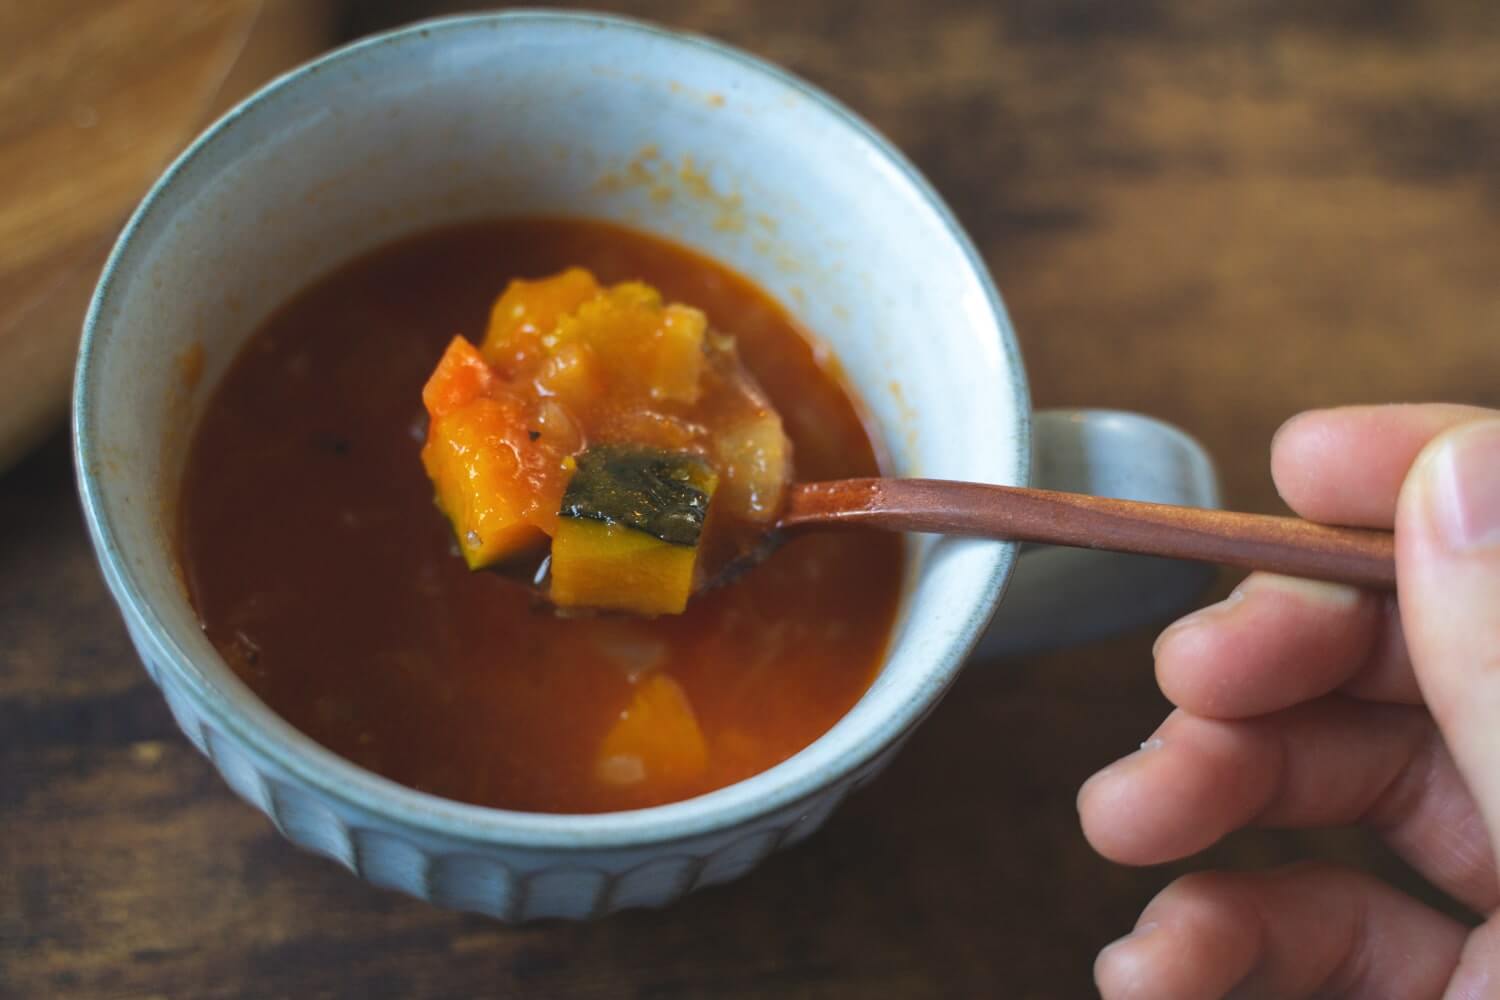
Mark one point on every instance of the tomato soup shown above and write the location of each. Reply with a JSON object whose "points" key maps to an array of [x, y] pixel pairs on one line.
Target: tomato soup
{"points": [[332, 584]]}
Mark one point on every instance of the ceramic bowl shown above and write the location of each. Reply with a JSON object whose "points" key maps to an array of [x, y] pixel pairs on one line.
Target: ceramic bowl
{"points": [[558, 114]]}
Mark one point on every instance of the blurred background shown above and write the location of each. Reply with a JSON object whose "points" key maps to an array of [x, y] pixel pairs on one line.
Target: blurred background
{"points": [[1217, 213]]}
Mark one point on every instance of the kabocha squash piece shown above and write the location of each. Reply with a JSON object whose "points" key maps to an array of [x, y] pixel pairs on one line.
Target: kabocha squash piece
{"points": [[658, 348], [474, 455], [528, 311], [614, 568], [656, 739], [628, 530], [674, 363], [571, 373], [471, 456], [566, 363]]}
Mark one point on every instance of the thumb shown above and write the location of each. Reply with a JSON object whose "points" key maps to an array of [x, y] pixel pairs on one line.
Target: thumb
{"points": [[1448, 572]]}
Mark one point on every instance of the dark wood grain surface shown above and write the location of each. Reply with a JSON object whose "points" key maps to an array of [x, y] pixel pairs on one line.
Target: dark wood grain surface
{"points": [[1215, 213]]}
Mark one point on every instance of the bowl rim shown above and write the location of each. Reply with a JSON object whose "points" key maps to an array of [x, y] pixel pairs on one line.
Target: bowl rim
{"points": [[222, 697]]}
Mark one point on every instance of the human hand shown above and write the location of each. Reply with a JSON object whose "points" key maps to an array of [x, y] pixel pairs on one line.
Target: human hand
{"points": [[1305, 704]]}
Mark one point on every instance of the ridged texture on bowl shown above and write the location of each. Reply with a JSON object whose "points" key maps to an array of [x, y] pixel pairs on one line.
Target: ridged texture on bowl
{"points": [[509, 884]]}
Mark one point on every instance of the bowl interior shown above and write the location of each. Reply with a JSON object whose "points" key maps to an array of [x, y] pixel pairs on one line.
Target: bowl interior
{"points": [[554, 115]]}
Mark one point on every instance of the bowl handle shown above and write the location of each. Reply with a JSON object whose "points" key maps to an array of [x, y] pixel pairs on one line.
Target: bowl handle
{"points": [[1061, 596]]}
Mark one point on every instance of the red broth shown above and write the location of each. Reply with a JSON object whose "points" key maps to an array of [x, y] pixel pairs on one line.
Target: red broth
{"points": [[330, 582]]}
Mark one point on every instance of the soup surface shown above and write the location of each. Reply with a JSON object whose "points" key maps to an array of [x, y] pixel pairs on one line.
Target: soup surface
{"points": [[329, 580]]}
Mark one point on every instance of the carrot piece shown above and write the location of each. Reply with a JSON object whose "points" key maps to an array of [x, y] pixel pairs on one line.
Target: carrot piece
{"points": [[461, 377]]}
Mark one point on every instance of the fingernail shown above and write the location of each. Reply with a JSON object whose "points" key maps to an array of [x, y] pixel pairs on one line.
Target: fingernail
{"points": [[1465, 481], [1200, 617], [1329, 595]]}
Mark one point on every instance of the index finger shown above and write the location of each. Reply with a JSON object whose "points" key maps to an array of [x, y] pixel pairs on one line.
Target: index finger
{"points": [[1346, 465]]}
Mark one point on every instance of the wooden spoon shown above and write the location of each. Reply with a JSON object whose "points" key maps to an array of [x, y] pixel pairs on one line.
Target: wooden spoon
{"points": [[1284, 545]]}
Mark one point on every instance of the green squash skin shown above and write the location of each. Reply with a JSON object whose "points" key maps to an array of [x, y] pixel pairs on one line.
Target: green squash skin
{"points": [[662, 493]]}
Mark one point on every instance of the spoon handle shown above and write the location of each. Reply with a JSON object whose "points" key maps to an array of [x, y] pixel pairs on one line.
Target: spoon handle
{"points": [[1284, 545]]}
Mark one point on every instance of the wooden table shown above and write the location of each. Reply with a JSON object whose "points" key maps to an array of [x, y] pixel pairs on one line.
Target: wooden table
{"points": [[96, 97], [1215, 216]]}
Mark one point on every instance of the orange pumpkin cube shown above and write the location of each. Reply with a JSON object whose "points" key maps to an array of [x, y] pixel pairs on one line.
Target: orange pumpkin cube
{"points": [[473, 456], [526, 314], [656, 739], [656, 349]]}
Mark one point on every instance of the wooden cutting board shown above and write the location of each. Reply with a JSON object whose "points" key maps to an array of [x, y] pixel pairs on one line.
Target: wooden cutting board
{"points": [[96, 97]]}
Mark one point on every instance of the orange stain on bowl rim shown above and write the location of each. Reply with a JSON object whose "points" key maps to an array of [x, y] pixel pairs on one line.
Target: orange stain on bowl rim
{"points": [[712, 98], [908, 415], [662, 180]]}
